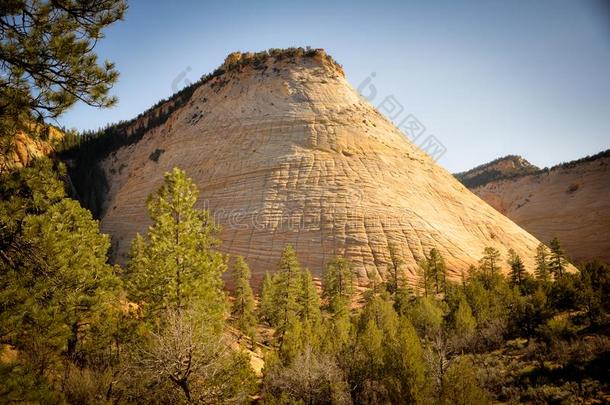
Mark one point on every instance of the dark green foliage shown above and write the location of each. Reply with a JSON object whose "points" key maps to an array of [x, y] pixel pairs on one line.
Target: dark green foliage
{"points": [[156, 154], [386, 362], [243, 303], [287, 289], [47, 59], [489, 266], [308, 299], [542, 264], [490, 262], [175, 277], [338, 284], [594, 291], [482, 174], [557, 259], [438, 270], [425, 285], [517, 274], [58, 296], [77, 340], [395, 277], [266, 310], [563, 292], [175, 268], [432, 277]]}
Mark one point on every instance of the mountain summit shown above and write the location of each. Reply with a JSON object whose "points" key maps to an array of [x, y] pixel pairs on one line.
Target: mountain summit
{"points": [[503, 168], [285, 151]]}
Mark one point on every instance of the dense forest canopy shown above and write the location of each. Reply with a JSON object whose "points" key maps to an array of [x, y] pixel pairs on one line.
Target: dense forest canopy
{"points": [[164, 328]]}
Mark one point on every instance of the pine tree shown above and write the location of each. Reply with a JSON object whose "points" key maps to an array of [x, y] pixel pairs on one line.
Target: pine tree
{"points": [[267, 310], [542, 263], [408, 366], [464, 322], [338, 284], [175, 277], [55, 285], [517, 269], [47, 59], [424, 277], [395, 270], [385, 363], [308, 299], [243, 304], [490, 265], [557, 259], [293, 340], [287, 283], [437, 270], [175, 268]]}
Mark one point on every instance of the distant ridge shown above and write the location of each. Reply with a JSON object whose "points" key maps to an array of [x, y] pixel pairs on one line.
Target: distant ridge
{"points": [[502, 168], [570, 201]]}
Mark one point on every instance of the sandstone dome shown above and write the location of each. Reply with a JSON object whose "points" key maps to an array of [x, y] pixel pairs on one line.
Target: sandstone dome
{"points": [[285, 151]]}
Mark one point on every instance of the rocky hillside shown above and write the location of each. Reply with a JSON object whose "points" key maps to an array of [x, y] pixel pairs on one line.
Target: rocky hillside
{"points": [[284, 151], [27, 147], [570, 201], [503, 168]]}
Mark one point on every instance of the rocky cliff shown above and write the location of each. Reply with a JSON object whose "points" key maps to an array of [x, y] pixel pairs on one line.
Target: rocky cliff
{"points": [[284, 150], [26, 146], [570, 201]]}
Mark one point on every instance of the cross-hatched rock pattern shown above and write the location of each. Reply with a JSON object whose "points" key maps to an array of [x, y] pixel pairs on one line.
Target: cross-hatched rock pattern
{"points": [[287, 152]]}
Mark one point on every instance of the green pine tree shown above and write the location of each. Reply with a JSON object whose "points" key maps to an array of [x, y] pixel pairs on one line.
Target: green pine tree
{"points": [[56, 288], [175, 267], [437, 270], [395, 270], [267, 311], [557, 259], [47, 60], [464, 322], [338, 284], [517, 269], [287, 284], [243, 303], [489, 265], [308, 299], [406, 358], [542, 263], [425, 282]]}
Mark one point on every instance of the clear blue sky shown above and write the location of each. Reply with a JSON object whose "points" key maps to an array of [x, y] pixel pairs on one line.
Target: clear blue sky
{"points": [[487, 78]]}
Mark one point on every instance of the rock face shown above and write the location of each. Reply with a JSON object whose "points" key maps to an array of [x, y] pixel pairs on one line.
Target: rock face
{"points": [[285, 151], [503, 168], [570, 201], [27, 148]]}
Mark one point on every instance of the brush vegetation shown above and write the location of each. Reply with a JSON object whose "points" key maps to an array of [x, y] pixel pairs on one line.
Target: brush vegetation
{"points": [[164, 329]]}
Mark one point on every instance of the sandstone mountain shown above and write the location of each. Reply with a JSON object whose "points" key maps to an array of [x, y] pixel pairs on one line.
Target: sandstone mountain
{"points": [[570, 201], [285, 151]]}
